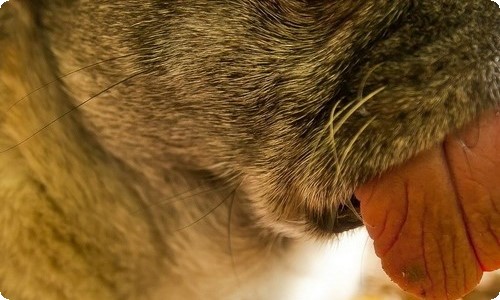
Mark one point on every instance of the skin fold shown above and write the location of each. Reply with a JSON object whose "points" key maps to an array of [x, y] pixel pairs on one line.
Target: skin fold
{"points": [[464, 189], [189, 149]]}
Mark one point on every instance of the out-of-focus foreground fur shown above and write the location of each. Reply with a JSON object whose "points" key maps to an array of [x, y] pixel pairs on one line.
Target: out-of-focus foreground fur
{"points": [[184, 149]]}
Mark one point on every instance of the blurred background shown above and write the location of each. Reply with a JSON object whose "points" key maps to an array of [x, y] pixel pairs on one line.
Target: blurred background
{"points": [[349, 269]]}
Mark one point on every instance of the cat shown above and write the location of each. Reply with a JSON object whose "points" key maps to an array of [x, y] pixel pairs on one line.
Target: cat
{"points": [[190, 149]]}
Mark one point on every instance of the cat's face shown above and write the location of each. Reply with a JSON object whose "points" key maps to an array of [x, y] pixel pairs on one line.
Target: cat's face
{"points": [[303, 99], [300, 101]]}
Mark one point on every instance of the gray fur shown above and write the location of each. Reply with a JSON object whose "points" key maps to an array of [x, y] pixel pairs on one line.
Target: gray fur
{"points": [[216, 108]]}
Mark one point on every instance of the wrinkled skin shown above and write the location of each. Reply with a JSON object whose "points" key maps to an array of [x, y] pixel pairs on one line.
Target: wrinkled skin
{"points": [[206, 138]]}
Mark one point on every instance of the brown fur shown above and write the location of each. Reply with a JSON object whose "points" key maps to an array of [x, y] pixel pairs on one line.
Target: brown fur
{"points": [[197, 148]]}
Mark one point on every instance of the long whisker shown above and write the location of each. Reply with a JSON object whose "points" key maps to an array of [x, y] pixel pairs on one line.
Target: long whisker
{"points": [[332, 135], [70, 111], [230, 241], [333, 116], [182, 196], [349, 148], [336, 128], [233, 193], [354, 108], [63, 76], [206, 214], [365, 80]]}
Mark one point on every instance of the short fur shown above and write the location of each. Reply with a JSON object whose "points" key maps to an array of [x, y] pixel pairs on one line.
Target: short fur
{"points": [[183, 149]]}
